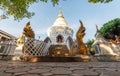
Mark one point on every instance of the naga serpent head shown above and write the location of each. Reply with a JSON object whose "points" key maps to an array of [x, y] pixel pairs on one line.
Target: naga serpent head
{"points": [[28, 32], [81, 31]]}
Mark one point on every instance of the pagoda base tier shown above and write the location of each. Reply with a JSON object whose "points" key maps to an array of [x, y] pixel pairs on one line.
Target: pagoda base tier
{"points": [[56, 59], [58, 50]]}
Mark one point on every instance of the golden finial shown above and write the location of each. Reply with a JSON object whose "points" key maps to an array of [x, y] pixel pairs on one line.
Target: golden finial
{"points": [[60, 12]]}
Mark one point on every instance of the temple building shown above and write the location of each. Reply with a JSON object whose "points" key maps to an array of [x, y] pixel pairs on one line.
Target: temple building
{"points": [[58, 43], [60, 36]]}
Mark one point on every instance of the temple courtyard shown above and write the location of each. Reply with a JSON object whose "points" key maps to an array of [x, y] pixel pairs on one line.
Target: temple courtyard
{"points": [[17, 68]]}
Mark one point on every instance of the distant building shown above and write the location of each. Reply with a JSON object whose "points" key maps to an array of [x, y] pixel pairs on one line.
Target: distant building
{"points": [[4, 36], [6, 42]]}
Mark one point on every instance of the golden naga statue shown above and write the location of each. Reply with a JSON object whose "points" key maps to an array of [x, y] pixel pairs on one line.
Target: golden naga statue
{"points": [[79, 36], [79, 46], [28, 32]]}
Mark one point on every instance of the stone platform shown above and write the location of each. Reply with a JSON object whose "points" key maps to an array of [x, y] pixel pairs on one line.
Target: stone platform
{"points": [[105, 58], [13, 68], [46, 58], [56, 59]]}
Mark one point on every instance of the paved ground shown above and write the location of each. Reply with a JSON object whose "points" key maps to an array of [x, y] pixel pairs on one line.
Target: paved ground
{"points": [[11, 68]]}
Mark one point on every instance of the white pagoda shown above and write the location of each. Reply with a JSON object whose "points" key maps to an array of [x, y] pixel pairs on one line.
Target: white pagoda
{"points": [[60, 34], [60, 31]]}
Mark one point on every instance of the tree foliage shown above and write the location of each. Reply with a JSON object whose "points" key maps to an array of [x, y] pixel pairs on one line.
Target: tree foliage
{"points": [[19, 8], [90, 47], [111, 28], [101, 1]]}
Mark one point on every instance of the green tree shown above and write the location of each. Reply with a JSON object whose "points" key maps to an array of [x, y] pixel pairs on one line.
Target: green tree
{"points": [[90, 47], [19, 8], [101, 1], [111, 28]]}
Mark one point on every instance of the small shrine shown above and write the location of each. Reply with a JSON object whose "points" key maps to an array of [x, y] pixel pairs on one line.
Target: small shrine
{"points": [[106, 50]]}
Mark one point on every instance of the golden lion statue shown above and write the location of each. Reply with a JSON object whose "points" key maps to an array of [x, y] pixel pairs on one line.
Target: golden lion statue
{"points": [[20, 40], [79, 47]]}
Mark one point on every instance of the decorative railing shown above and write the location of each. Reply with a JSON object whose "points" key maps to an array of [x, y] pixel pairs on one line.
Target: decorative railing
{"points": [[7, 47], [34, 47], [31, 47]]}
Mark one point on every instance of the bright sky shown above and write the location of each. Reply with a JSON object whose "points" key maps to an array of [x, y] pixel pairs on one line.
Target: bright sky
{"points": [[73, 11]]}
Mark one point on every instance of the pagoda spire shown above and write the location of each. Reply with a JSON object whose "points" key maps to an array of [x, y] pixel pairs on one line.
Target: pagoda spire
{"points": [[60, 14], [60, 20]]}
